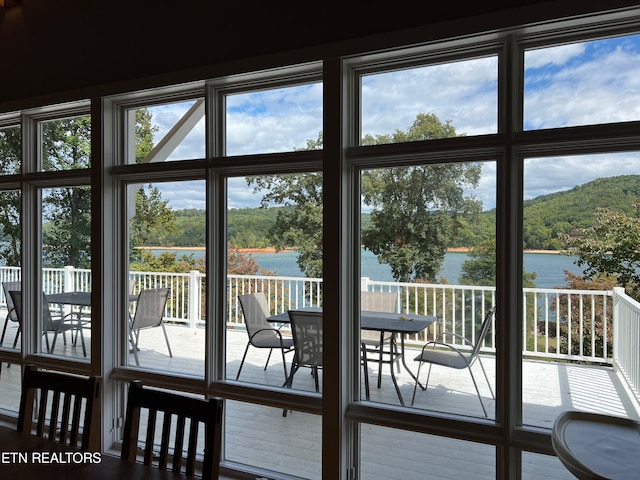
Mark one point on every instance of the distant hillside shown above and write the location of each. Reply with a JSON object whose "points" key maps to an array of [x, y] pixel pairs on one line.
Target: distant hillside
{"points": [[545, 217], [548, 216]]}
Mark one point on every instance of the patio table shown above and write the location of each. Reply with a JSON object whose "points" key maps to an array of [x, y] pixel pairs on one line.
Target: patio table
{"points": [[383, 322]]}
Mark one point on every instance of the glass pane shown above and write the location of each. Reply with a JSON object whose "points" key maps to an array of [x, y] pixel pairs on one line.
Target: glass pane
{"points": [[580, 241], [66, 144], [168, 132], [390, 453], [10, 387], [274, 120], [258, 436], [274, 264], [536, 466], [428, 269], [582, 83], [167, 277], [436, 101], [10, 150], [66, 268], [10, 266]]}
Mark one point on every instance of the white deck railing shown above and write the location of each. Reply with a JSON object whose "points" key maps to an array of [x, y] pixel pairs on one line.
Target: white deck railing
{"points": [[626, 339], [558, 322]]}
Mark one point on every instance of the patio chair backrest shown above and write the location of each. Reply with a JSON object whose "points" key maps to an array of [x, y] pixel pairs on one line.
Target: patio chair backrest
{"points": [[306, 328], [379, 301], [11, 287], [486, 323], [47, 320], [255, 310], [150, 308]]}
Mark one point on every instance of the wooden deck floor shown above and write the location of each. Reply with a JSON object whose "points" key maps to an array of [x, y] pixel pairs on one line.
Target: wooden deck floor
{"points": [[261, 437]]}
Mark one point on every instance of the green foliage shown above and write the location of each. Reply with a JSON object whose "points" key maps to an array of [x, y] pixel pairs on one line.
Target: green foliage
{"points": [[592, 323], [301, 226], [66, 237], [480, 269], [10, 206], [416, 210], [610, 246]]}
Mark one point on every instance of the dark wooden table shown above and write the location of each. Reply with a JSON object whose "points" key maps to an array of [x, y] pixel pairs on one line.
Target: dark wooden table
{"points": [[27, 457], [398, 324]]}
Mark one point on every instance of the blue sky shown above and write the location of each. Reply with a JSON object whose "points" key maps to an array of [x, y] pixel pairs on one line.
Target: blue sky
{"points": [[566, 85]]}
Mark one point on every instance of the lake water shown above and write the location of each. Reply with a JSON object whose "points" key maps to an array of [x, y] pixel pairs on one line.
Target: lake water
{"points": [[549, 267]]}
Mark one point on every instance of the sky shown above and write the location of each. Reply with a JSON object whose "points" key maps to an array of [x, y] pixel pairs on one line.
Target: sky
{"points": [[567, 85]]}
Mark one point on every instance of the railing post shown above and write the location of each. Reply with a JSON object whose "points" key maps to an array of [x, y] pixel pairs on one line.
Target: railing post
{"points": [[364, 284], [616, 291], [69, 280], [195, 288]]}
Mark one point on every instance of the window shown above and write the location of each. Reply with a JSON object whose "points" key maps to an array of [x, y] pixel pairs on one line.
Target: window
{"points": [[581, 83]]}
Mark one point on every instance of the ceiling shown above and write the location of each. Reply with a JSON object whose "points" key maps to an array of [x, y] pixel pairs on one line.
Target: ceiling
{"points": [[56, 46]]}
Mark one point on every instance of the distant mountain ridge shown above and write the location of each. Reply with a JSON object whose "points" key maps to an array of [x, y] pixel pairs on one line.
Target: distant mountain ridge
{"points": [[545, 218], [548, 216]]}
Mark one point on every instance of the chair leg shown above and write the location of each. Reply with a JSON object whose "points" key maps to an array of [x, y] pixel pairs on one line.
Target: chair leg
{"points": [[166, 337], [4, 330], [486, 378], [289, 382], [134, 347], [284, 362], [478, 392], [266, 364], [415, 387], [365, 364], [242, 363]]}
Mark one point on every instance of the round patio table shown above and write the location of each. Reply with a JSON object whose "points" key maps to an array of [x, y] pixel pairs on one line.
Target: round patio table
{"points": [[595, 447]]}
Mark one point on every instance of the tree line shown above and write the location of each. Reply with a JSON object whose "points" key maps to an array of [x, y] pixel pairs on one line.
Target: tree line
{"points": [[547, 219]]}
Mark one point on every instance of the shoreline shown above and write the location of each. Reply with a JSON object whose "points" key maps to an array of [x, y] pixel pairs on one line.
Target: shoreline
{"points": [[273, 250]]}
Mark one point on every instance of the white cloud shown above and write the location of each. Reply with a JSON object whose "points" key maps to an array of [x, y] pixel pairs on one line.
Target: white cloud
{"points": [[576, 84]]}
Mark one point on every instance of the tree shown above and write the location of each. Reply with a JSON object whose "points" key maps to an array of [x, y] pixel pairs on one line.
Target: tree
{"points": [[66, 233], [10, 206], [415, 209], [611, 246], [301, 225], [480, 269]]}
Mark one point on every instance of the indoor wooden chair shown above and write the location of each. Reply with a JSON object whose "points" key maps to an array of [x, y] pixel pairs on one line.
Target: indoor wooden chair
{"points": [[161, 408], [58, 406]]}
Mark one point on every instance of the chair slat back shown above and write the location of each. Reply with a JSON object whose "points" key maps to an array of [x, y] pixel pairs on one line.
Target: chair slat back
{"points": [[486, 323], [379, 301], [168, 432], [8, 287], [255, 310], [307, 331], [62, 406], [150, 308]]}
